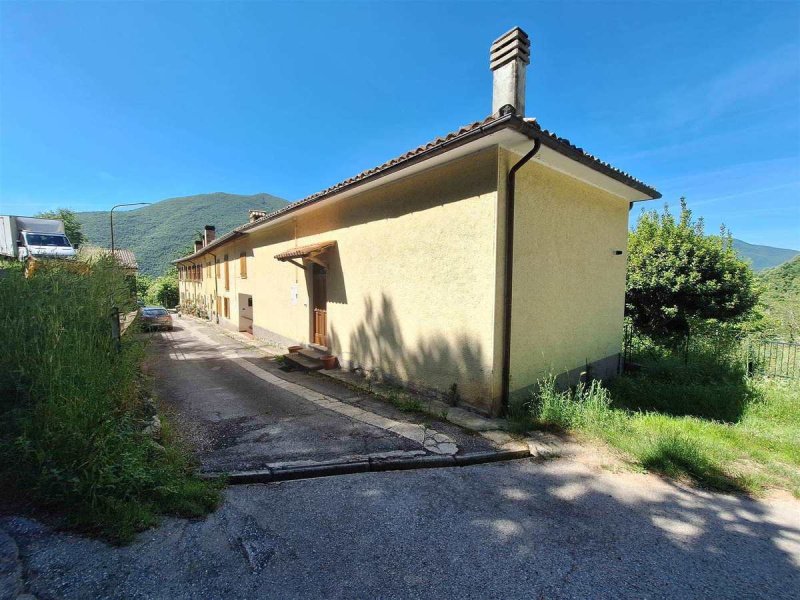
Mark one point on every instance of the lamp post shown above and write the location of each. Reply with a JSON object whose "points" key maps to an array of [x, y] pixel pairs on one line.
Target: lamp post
{"points": [[111, 219]]}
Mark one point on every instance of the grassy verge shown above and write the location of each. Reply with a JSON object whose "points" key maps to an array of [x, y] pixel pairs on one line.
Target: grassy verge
{"points": [[719, 432], [73, 410]]}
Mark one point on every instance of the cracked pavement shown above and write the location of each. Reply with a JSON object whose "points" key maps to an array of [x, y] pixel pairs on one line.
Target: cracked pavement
{"points": [[242, 412], [523, 529]]}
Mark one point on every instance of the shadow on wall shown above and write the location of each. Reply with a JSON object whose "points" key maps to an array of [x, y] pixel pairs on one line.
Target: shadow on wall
{"points": [[434, 363], [337, 292]]}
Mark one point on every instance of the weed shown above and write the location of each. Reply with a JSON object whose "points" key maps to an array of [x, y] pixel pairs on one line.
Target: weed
{"points": [[71, 406], [758, 448]]}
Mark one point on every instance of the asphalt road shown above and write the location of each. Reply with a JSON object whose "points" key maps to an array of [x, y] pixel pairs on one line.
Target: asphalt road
{"points": [[238, 421], [558, 529]]}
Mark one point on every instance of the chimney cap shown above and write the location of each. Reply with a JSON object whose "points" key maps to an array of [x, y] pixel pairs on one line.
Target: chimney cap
{"points": [[512, 45], [210, 228]]}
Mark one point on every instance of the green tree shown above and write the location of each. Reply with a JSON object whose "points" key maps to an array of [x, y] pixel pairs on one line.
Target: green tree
{"points": [[72, 227], [681, 280], [164, 292], [143, 283]]}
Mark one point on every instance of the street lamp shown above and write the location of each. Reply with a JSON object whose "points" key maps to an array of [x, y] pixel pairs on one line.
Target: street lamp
{"points": [[111, 218]]}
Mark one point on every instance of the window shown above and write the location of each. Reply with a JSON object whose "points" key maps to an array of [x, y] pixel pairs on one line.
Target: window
{"points": [[243, 265], [216, 268], [227, 308], [219, 303], [44, 239], [227, 274]]}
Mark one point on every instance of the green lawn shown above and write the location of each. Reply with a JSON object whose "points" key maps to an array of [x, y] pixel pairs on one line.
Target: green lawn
{"points": [[743, 436]]}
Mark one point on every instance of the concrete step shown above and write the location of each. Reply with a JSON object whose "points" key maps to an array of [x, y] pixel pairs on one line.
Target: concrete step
{"points": [[303, 362], [312, 353]]}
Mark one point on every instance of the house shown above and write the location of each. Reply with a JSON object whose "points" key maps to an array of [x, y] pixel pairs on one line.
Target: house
{"points": [[474, 264], [124, 257]]}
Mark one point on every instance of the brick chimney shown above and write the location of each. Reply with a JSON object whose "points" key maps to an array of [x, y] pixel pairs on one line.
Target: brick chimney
{"points": [[198, 245], [509, 56], [209, 235]]}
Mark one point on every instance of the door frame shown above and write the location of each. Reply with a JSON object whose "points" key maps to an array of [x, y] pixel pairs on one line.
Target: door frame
{"points": [[319, 304]]}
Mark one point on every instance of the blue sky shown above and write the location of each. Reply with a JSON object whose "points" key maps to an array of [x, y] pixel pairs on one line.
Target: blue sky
{"points": [[102, 103]]}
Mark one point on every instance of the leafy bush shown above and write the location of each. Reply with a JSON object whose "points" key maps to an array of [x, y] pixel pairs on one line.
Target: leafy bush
{"points": [[72, 407], [679, 278]]}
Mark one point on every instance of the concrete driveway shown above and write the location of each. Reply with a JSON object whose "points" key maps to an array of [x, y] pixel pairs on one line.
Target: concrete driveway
{"points": [[242, 411], [523, 529]]}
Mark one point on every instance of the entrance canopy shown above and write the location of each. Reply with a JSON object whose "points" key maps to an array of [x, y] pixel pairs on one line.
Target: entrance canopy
{"points": [[311, 252]]}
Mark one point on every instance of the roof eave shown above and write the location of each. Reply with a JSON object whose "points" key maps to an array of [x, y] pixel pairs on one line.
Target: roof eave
{"points": [[533, 130], [215, 244], [530, 129]]}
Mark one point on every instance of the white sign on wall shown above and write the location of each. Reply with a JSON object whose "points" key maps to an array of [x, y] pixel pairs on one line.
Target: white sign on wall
{"points": [[293, 294]]}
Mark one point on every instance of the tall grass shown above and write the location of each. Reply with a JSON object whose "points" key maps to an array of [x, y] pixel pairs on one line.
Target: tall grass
{"points": [[757, 449], [72, 410]]}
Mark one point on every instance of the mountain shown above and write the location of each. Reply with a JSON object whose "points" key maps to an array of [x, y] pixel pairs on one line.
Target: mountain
{"points": [[763, 257], [158, 232], [782, 296]]}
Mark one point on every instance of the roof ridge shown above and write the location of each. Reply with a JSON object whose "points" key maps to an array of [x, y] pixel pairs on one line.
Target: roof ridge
{"points": [[528, 126]]}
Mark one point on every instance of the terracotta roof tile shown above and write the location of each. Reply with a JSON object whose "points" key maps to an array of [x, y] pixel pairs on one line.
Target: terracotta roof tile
{"points": [[125, 257], [529, 127], [302, 251]]}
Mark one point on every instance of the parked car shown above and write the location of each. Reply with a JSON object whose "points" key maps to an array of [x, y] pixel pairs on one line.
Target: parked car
{"points": [[155, 317]]}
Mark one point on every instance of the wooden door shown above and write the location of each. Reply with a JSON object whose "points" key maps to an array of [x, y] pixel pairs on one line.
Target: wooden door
{"points": [[320, 291]]}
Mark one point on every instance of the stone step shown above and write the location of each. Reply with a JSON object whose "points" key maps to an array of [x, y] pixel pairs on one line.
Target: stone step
{"points": [[312, 353], [303, 362]]}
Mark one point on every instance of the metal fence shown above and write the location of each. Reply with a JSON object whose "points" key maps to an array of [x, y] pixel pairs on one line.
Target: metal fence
{"points": [[774, 358], [765, 357]]}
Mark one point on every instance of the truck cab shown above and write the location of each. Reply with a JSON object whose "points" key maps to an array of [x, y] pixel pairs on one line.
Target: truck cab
{"points": [[45, 245], [33, 237]]}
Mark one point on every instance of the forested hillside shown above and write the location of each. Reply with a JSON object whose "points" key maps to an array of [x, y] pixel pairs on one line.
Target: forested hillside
{"points": [[157, 232], [782, 297], [763, 257]]}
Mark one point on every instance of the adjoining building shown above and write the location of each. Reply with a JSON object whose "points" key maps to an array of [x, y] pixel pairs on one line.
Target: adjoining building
{"points": [[124, 257], [475, 264]]}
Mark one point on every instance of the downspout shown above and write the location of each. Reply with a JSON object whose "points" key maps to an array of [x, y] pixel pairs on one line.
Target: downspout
{"points": [[216, 290], [508, 288]]}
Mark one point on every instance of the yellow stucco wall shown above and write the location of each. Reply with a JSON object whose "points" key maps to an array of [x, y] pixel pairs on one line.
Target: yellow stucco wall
{"points": [[569, 286], [415, 282], [410, 282]]}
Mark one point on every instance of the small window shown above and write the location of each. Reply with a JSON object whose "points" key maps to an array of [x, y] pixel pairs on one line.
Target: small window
{"points": [[226, 308], [250, 301], [227, 274], [243, 265]]}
